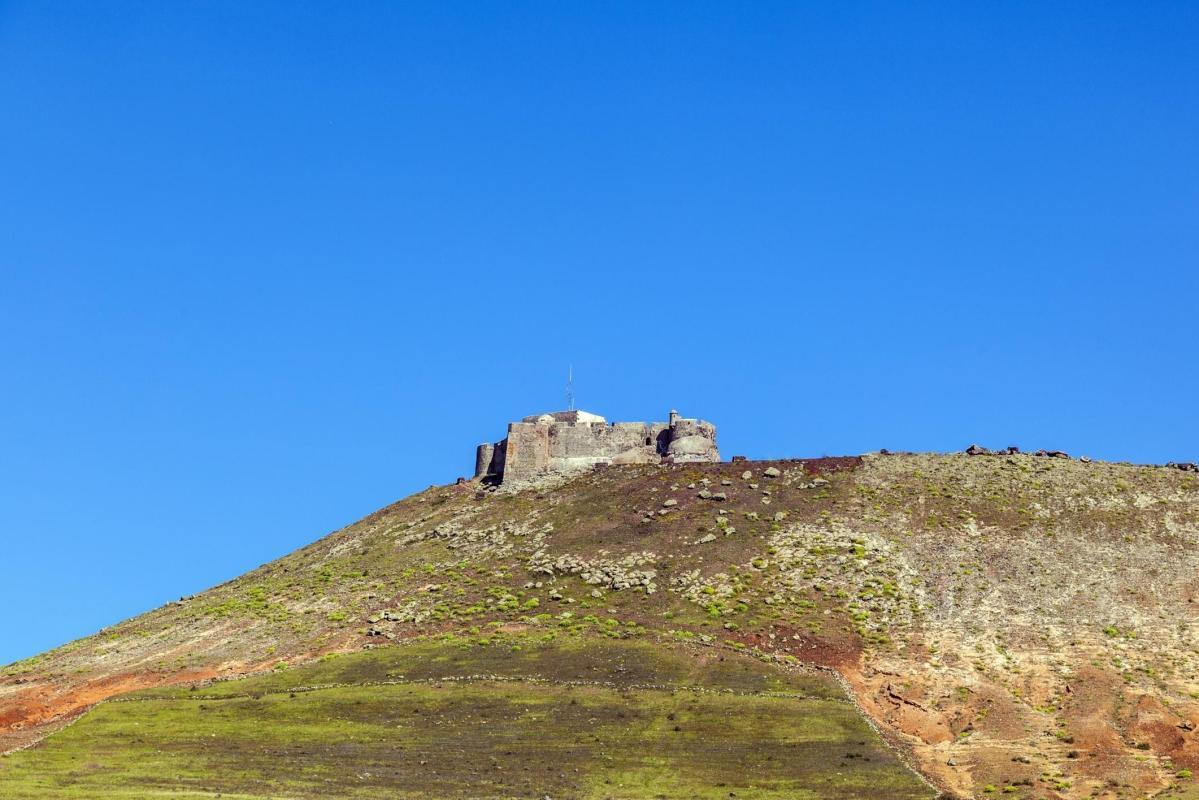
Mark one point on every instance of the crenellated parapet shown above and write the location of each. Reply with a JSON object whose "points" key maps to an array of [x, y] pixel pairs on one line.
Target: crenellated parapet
{"points": [[571, 441]]}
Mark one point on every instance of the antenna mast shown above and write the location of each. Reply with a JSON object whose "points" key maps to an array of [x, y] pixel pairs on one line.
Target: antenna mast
{"points": [[570, 388]]}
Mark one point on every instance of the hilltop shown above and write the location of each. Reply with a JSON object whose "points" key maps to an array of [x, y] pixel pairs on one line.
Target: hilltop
{"points": [[1004, 624]]}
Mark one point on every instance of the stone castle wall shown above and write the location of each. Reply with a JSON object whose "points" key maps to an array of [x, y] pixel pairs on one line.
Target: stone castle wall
{"points": [[571, 441]]}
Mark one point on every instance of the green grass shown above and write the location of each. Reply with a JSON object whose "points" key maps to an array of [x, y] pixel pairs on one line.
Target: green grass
{"points": [[580, 716]]}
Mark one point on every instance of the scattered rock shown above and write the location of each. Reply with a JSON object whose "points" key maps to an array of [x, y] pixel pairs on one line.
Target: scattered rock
{"points": [[720, 496], [746, 475], [738, 459], [618, 574], [772, 472], [703, 494], [670, 503], [977, 450], [711, 537]]}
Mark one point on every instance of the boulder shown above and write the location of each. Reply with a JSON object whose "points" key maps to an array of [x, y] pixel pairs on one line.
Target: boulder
{"points": [[772, 472]]}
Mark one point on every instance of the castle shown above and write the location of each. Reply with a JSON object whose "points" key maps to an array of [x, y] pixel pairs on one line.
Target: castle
{"points": [[570, 441]]}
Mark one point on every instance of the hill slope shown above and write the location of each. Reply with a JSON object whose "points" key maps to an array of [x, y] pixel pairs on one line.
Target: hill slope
{"points": [[1011, 623], [478, 717]]}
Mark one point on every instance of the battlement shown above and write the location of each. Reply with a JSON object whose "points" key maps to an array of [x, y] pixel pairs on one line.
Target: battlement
{"points": [[571, 441]]}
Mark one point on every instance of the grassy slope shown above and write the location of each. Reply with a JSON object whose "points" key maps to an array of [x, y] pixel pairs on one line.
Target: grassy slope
{"points": [[1020, 623], [523, 715]]}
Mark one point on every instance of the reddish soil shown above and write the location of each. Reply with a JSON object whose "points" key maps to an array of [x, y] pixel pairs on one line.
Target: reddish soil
{"points": [[42, 704], [817, 651]]}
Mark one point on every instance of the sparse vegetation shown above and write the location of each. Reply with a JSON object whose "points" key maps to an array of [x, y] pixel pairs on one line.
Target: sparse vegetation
{"points": [[454, 717], [1020, 608]]}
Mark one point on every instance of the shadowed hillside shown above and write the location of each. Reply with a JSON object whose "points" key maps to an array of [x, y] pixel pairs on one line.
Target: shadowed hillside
{"points": [[1013, 625]]}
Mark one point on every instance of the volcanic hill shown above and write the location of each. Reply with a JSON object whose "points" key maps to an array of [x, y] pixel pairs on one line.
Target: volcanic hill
{"points": [[891, 626]]}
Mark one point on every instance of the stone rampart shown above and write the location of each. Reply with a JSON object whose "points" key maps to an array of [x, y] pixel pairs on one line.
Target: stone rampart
{"points": [[571, 441]]}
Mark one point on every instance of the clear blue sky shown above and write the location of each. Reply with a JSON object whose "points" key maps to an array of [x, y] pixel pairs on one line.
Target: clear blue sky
{"points": [[267, 267]]}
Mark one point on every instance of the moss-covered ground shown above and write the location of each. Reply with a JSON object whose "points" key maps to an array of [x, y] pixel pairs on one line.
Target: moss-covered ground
{"points": [[522, 715]]}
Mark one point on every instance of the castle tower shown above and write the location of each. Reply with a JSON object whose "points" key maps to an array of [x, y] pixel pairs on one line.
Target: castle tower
{"points": [[483, 456], [571, 441]]}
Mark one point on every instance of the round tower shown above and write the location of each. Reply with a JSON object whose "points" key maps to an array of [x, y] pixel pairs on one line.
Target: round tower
{"points": [[483, 456]]}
